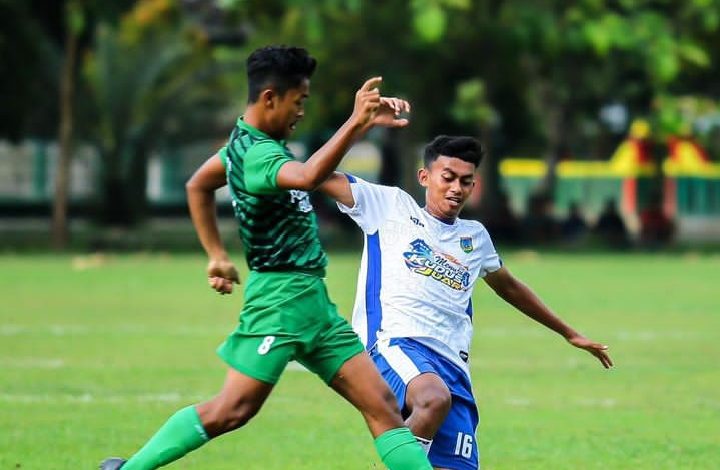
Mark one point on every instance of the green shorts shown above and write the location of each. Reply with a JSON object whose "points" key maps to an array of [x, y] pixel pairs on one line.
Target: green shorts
{"points": [[286, 316]]}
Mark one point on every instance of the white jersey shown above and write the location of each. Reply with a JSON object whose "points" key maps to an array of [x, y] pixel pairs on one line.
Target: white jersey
{"points": [[417, 272]]}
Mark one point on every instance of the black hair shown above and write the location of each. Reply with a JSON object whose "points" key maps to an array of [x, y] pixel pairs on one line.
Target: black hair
{"points": [[278, 67], [466, 148]]}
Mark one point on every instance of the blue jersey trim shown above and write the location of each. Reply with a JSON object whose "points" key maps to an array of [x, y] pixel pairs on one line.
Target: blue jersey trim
{"points": [[350, 178], [469, 309], [373, 284]]}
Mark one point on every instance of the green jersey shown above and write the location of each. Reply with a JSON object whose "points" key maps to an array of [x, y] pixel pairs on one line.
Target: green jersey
{"points": [[278, 227]]}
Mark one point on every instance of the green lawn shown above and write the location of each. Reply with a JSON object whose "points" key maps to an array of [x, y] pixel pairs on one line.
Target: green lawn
{"points": [[95, 353]]}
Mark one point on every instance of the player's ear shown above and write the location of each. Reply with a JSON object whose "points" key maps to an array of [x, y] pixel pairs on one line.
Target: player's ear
{"points": [[266, 97], [423, 175]]}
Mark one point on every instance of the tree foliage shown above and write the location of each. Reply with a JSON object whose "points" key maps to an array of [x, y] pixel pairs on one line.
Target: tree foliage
{"points": [[529, 75], [152, 80]]}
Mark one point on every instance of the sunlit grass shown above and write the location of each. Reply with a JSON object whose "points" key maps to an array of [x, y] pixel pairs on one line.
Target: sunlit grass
{"points": [[96, 352]]}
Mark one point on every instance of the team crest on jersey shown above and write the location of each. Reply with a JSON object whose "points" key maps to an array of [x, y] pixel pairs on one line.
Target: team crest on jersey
{"points": [[442, 267], [302, 198], [466, 244]]}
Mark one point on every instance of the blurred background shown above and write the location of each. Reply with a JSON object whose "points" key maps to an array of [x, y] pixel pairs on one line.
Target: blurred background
{"points": [[601, 186], [601, 118]]}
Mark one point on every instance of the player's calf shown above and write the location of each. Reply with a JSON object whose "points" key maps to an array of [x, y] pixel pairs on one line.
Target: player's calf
{"points": [[239, 400], [220, 417]]}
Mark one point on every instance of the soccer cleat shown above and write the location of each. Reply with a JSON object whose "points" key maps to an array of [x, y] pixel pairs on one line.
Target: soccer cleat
{"points": [[112, 463]]}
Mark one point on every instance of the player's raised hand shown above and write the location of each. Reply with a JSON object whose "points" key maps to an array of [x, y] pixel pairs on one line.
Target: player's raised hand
{"points": [[367, 102], [388, 113], [222, 274], [596, 349]]}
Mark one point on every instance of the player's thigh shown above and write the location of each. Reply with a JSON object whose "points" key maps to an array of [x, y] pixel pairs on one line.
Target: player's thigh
{"points": [[324, 352], [455, 445], [269, 333], [260, 347], [359, 382], [402, 362], [262, 357]]}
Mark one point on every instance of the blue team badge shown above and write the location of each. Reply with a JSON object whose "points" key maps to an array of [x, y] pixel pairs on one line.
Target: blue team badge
{"points": [[466, 244]]}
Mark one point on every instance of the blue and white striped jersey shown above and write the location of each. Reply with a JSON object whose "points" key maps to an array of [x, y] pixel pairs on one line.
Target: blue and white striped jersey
{"points": [[417, 272]]}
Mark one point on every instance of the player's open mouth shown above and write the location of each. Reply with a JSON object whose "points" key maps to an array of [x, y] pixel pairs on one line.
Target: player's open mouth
{"points": [[454, 201]]}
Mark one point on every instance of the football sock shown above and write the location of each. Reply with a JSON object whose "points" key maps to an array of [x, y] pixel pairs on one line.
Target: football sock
{"points": [[399, 450], [182, 432], [424, 443]]}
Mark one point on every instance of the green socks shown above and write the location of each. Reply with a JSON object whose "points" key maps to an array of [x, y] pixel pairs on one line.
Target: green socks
{"points": [[399, 450], [184, 432], [180, 434]]}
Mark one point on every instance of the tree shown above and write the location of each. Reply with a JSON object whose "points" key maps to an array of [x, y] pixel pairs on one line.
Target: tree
{"points": [[546, 67], [42, 42], [30, 68], [75, 24], [151, 79], [578, 55]]}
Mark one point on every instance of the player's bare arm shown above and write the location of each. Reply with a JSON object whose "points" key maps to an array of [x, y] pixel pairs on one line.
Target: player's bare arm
{"points": [[519, 295], [201, 202], [370, 110], [337, 185]]}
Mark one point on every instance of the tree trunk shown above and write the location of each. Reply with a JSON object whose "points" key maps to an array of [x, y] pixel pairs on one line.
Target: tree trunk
{"points": [[123, 199], [137, 184], [60, 232]]}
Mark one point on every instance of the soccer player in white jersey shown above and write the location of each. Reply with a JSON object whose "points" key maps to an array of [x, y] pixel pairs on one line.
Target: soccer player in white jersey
{"points": [[413, 309]]}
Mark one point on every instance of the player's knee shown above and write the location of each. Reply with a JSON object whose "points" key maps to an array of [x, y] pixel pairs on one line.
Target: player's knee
{"points": [[434, 402]]}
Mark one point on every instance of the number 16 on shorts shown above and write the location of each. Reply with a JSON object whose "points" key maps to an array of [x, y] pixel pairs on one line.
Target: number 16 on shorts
{"points": [[464, 445]]}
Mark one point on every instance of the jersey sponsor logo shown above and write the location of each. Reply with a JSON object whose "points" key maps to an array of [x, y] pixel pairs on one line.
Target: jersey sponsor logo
{"points": [[302, 198], [442, 267], [416, 221], [466, 244]]}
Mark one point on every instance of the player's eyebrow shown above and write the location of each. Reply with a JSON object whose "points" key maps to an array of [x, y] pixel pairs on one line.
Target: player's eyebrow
{"points": [[448, 170]]}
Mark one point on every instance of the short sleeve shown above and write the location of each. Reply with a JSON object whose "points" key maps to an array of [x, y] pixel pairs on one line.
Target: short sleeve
{"points": [[261, 164], [490, 259], [372, 203]]}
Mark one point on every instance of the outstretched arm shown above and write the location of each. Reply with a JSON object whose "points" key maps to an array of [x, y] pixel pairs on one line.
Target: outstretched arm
{"points": [[519, 295], [201, 201], [370, 110], [337, 187]]}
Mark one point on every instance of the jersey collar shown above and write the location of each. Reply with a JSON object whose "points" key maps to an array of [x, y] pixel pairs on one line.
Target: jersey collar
{"points": [[443, 221], [254, 131]]}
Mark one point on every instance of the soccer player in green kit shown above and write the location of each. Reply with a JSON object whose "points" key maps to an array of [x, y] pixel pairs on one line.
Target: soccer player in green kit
{"points": [[287, 314]]}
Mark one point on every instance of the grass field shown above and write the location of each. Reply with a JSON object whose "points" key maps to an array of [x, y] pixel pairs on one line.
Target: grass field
{"points": [[96, 352]]}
